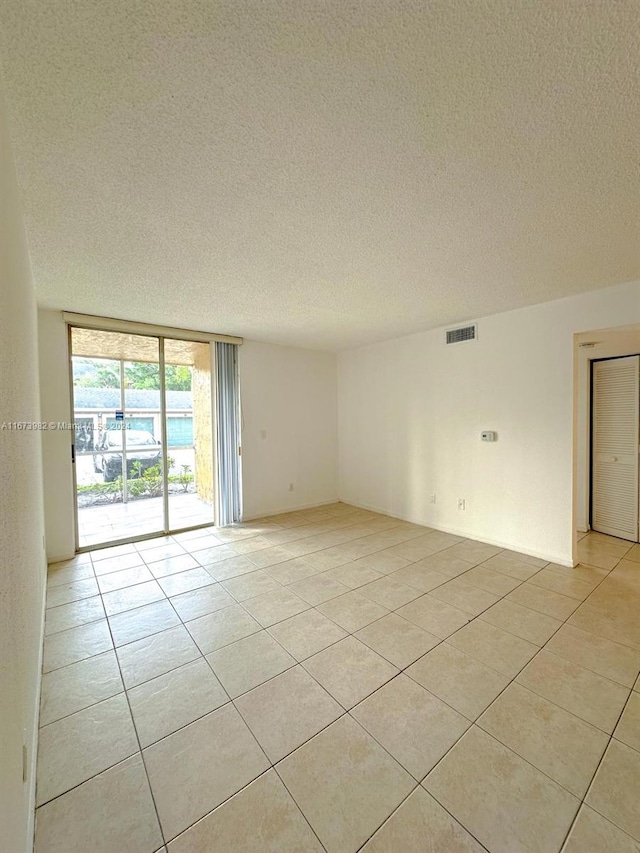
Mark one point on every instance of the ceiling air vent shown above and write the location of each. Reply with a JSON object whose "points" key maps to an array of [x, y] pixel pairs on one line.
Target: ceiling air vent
{"points": [[464, 333]]}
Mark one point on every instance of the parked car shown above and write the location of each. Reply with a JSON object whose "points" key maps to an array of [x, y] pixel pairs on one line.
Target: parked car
{"points": [[143, 452]]}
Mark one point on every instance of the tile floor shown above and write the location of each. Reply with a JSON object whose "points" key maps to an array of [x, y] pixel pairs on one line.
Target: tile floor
{"points": [[339, 680]]}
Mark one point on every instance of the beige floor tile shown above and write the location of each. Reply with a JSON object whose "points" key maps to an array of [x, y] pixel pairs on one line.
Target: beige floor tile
{"points": [[231, 568], [201, 602], [543, 600], [262, 818], [250, 585], [118, 563], [222, 627], [578, 690], [564, 747], [172, 566], [292, 570], [307, 633], [528, 810], [293, 697], [249, 662], [464, 596], [561, 580], [270, 556], [64, 593], [494, 647], [120, 580], [522, 621], [73, 614], [211, 554], [70, 571], [513, 566], [474, 552], [597, 556], [610, 622], [354, 575], [76, 644], [185, 581], [318, 589], [110, 813], [397, 640], [590, 574], [444, 563], [163, 551], [628, 729], [275, 606], [434, 616], [420, 577], [389, 592], [349, 670], [74, 749], [614, 793], [535, 562], [421, 825], [383, 563], [78, 686], [490, 580], [173, 700], [606, 657], [412, 724], [591, 833], [136, 624], [131, 597], [327, 559], [146, 659], [633, 554], [352, 611], [459, 680], [223, 758], [345, 784]]}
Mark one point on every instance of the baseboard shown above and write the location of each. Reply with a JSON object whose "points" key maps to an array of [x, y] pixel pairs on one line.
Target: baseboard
{"points": [[560, 559]]}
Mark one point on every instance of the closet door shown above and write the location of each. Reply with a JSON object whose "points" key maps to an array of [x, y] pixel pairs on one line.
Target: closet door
{"points": [[615, 408]]}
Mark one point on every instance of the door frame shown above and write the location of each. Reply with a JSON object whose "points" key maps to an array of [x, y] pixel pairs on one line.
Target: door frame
{"points": [[161, 332]]}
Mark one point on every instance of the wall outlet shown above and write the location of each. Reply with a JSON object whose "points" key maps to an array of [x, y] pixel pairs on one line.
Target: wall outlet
{"points": [[432, 498], [462, 503], [290, 487]]}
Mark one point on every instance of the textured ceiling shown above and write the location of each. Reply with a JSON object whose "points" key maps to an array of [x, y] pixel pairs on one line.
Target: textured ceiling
{"points": [[324, 173]]}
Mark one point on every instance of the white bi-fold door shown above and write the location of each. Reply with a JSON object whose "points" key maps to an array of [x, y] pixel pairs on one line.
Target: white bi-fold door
{"points": [[615, 438]]}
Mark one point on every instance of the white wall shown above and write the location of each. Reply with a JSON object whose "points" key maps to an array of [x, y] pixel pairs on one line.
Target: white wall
{"points": [[289, 397], [55, 402], [22, 564], [411, 411]]}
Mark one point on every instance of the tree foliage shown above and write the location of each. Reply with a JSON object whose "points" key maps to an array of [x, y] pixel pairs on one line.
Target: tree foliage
{"points": [[103, 373]]}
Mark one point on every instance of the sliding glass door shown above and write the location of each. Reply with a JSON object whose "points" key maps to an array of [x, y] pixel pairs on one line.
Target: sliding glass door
{"points": [[143, 435]]}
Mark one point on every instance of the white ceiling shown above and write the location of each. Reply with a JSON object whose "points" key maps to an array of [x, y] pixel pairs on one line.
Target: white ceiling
{"points": [[324, 173]]}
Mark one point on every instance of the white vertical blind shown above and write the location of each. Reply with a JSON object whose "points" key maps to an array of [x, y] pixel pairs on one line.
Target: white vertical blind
{"points": [[228, 410], [616, 404]]}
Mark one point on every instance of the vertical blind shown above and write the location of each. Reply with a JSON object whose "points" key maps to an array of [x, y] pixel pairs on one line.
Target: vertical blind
{"points": [[228, 406]]}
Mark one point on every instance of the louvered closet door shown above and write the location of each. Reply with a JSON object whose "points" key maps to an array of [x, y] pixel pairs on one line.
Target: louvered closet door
{"points": [[616, 396]]}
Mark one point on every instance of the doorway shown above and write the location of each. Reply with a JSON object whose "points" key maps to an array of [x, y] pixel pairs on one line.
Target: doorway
{"points": [[144, 427], [615, 437]]}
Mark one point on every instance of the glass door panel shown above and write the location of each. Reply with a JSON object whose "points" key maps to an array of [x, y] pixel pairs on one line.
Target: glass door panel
{"points": [[189, 433], [118, 440]]}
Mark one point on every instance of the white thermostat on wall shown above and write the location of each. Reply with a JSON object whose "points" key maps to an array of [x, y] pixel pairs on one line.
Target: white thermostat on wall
{"points": [[489, 435]]}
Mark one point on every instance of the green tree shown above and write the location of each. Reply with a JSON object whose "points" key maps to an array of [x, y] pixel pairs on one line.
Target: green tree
{"points": [[143, 375]]}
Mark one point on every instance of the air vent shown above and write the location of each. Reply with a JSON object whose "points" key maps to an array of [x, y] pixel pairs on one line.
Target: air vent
{"points": [[464, 333]]}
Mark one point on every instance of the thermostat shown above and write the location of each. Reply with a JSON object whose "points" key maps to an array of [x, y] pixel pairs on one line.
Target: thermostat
{"points": [[489, 435]]}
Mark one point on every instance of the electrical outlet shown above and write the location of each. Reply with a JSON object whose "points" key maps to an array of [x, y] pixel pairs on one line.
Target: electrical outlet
{"points": [[290, 487], [462, 503], [432, 498]]}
